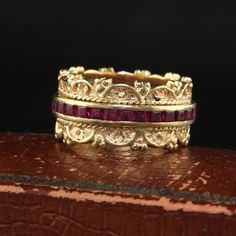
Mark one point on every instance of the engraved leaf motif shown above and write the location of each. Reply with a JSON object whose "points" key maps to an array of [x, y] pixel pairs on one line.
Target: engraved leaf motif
{"points": [[175, 86], [122, 94], [158, 137], [163, 93], [80, 134], [187, 91], [82, 88], [142, 87], [183, 135], [102, 84], [122, 136], [63, 86]]}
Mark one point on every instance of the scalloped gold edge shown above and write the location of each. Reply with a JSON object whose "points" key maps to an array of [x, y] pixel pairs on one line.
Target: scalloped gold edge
{"points": [[137, 139]]}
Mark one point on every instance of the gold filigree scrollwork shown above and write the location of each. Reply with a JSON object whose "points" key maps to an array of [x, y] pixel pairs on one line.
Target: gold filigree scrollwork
{"points": [[119, 136], [157, 137], [187, 91], [183, 135], [138, 138], [174, 92], [93, 85], [73, 132], [142, 88], [168, 137], [102, 84], [160, 94], [139, 141], [80, 133], [82, 88], [122, 94], [99, 140]]}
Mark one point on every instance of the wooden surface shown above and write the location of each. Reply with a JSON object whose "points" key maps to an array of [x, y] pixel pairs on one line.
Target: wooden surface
{"points": [[49, 188]]}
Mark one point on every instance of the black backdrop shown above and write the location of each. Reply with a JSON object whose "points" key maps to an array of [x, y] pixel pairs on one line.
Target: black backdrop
{"points": [[40, 37]]}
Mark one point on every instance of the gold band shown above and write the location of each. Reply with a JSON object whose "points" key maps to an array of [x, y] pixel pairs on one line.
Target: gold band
{"points": [[123, 109]]}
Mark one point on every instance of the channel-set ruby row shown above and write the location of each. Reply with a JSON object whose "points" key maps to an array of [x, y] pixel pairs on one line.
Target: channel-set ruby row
{"points": [[123, 115]]}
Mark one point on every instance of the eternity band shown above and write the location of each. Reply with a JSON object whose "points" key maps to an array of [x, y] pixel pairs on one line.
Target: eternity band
{"points": [[138, 110]]}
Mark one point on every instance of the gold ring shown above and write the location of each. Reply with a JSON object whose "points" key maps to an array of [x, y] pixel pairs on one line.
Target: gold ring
{"points": [[137, 109]]}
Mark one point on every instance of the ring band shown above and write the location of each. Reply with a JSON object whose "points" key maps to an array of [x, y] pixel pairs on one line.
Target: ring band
{"points": [[137, 109]]}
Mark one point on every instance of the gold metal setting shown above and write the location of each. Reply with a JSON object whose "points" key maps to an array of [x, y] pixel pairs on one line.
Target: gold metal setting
{"points": [[138, 91]]}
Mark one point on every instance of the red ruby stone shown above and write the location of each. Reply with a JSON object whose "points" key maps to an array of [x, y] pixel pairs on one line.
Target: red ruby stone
{"points": [[181, 116], [127, 116], [60, 107], [102, 113], [97, 113], [140, 116], [176, 116], [64, 109], [88, 112], [69, 110], [164, 116], [156, 117], [54, 106], [75, 110], [82, 112], [189, 115], [111, 114], [170, 116], [148, 116], [57, 106], [185, 115], [194, 114]]}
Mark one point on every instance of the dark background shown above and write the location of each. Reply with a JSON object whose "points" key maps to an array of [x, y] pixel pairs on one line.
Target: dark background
{"points": [[40, 37]]}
